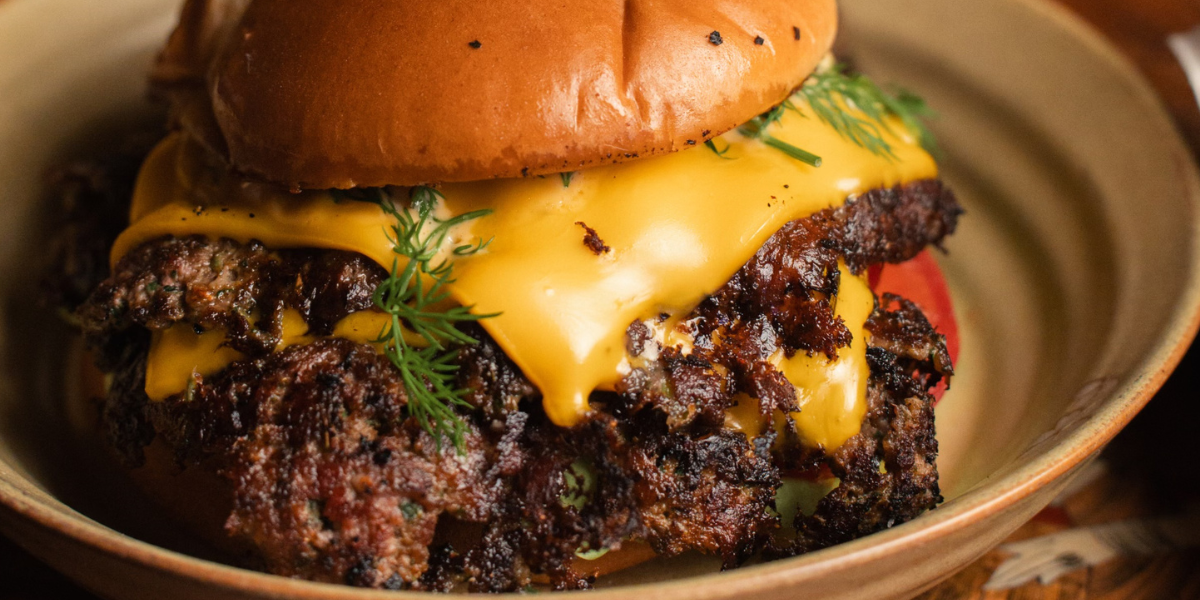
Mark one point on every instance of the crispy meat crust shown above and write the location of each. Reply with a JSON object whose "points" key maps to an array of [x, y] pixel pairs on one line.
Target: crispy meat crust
{"points": [[888, 472], [902, 330], [327, 473], [674, 490], [93, 200], [330, 480], [223, 283], [711, 494], [125, 422], [780, 300], [792, 276], [493, 383]]}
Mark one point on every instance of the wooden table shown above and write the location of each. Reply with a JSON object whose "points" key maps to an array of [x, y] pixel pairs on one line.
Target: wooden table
{"points": [[1153, 466]]}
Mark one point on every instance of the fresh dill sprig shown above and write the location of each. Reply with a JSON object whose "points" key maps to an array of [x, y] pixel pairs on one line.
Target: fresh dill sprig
{"points": [[913, 111], [414, 296], [757, 128], [834, 95], [720, 153], [832, 92], [566, 178]]}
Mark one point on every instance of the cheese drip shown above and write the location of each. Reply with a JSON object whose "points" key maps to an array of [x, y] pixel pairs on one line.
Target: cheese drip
{"points": [[179, 353], [679, 226], [831, 393]]}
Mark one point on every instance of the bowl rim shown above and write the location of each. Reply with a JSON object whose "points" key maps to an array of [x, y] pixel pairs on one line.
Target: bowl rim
{"points": [[1118, 408]]}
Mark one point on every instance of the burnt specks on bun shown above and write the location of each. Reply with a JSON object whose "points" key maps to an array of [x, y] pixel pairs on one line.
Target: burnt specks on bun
{"points": [[333, 94]]}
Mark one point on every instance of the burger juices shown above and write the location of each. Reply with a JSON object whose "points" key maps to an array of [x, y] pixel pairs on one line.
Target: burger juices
{"points": [[419, 295]]}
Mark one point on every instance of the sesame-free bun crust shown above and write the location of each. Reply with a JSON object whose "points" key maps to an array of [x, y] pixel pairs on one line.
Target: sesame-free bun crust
{"points": [[343, 93]]}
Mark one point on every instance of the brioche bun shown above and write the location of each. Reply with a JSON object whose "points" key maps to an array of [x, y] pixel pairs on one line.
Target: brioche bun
{"points": [[331, 93]]}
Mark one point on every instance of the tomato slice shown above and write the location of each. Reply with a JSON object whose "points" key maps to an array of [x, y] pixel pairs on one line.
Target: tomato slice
{"points": [[921, 281]]}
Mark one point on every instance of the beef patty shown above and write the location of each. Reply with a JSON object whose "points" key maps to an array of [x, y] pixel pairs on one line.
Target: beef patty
{"points": [[331, 481]]}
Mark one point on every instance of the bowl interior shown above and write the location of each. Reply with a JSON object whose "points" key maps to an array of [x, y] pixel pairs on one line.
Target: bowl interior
{"points": [[1072, 272], [1080, 228]]}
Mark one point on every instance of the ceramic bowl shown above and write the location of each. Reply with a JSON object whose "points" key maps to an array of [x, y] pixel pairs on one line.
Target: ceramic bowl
{"points": [[1075, 274]]}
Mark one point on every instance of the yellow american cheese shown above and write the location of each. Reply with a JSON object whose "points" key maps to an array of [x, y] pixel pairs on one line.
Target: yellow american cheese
{"points": [[830, 393], [679, 226], [178, 353]]}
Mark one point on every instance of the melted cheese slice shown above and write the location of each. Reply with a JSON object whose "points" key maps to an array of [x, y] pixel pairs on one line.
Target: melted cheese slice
{"points": [[679, 226], [179, 354], [831, 394]]}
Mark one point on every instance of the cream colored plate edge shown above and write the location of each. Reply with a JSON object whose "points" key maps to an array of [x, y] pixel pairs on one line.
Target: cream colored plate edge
{"points": [[1031, 274]]}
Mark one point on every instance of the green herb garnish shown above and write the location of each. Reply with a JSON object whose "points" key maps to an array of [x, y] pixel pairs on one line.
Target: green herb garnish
{"points": [[757, 128], [566, 178], [410, 510], [580, 480], [413, 296], [586, 554], [853, 106], [831, 92], [721, 153]]}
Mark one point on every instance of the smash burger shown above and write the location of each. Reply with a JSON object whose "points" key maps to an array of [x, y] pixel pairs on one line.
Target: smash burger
{"points": [[428, 294]]}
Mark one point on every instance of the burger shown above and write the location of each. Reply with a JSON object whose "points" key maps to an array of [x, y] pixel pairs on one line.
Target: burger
{"points": [[462, 294]]}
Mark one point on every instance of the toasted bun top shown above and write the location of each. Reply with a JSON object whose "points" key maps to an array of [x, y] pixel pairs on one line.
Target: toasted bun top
{"points": [[343, 93]]}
